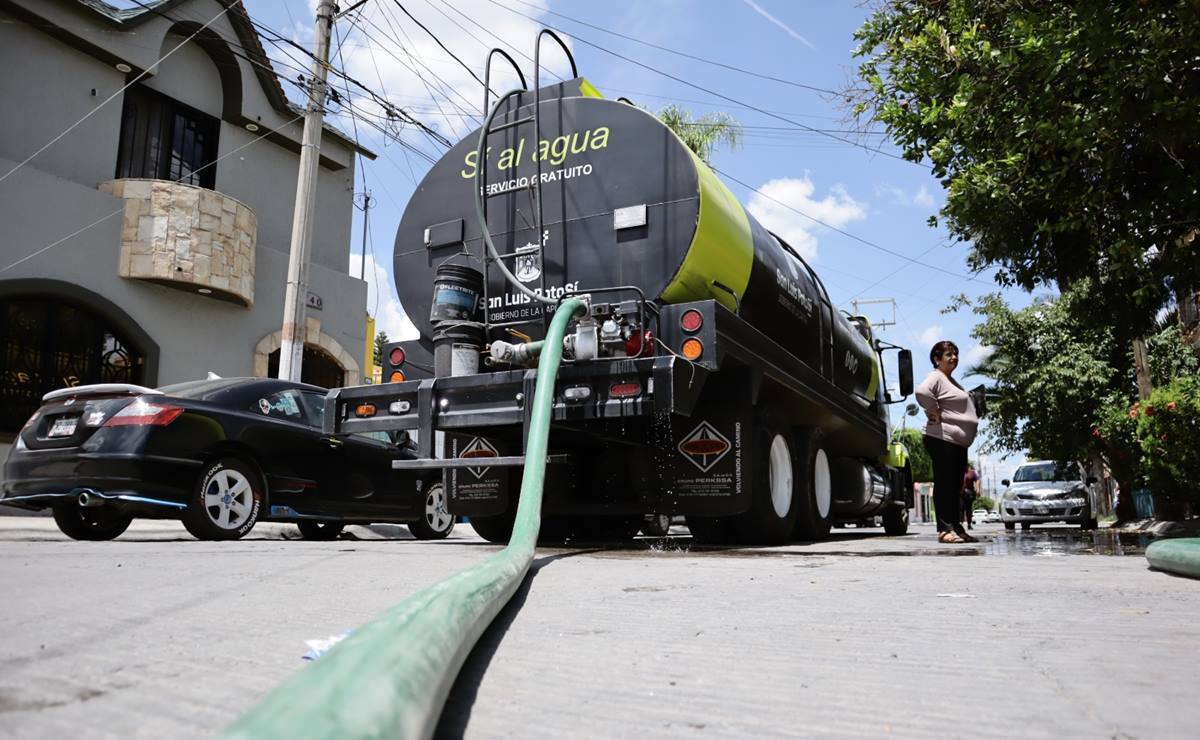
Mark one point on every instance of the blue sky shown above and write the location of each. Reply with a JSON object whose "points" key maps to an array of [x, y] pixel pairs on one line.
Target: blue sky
{"points": [[874, 197]]}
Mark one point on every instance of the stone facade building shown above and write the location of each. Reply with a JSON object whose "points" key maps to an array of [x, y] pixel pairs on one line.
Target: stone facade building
{"points": [[150, 243]]}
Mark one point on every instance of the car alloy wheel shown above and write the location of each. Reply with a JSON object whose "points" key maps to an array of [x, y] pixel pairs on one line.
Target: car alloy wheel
{"points": [[226, 502], [436, 520]]}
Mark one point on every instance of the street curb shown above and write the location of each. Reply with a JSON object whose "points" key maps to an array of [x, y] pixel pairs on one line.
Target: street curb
{"points": [[1181, 556]]}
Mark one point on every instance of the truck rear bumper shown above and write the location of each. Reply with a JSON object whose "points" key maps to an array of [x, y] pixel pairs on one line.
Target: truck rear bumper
{"points": [[594, 390]]}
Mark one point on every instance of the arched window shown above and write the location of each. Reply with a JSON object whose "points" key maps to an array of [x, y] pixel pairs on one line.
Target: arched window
{"points": [[318, 368], [47, 343]]}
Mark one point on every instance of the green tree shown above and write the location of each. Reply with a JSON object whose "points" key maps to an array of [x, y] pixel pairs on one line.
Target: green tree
{"points": [[702, 134], [918, 457], [381, 338], [1050, 370], [1064, 133]]}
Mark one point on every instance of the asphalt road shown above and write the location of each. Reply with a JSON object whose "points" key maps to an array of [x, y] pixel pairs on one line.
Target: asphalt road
{"points": [[1027, 634]]}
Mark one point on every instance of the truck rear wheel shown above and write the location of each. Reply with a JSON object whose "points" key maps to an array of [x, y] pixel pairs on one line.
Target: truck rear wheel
{"points": [[895, 520], [772, 514], [814, 487], [708, 530], [497, 528]]}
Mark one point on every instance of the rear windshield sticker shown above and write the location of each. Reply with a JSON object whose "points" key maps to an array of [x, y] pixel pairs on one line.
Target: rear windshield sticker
{"points": [[264, 405]]}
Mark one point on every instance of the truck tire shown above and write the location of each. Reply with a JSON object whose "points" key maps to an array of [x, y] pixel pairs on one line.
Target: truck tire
{"points": [[709, 530], [895, 520], [656, 525], [773, 499], [497, 528], [814, 487]]}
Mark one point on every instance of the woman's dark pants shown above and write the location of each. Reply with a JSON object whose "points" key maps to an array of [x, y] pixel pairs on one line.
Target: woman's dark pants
{"points": [[949, 467]]}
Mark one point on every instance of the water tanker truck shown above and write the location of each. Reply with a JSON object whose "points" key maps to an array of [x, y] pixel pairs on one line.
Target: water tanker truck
{"points": [[710, 376]]}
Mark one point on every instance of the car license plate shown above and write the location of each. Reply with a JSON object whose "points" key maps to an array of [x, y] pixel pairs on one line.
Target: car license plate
{"points": [[63, 427], [1042, 510]]}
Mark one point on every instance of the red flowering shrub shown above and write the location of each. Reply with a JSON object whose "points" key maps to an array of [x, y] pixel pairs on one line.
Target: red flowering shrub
{"points": [[1168, 435]]}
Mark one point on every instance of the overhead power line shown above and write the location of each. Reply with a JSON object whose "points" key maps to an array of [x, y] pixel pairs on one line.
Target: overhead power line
{"points": [[121, 210], [693, 85], [845, 233], [112, 97], [681, 53], [439, 43]]}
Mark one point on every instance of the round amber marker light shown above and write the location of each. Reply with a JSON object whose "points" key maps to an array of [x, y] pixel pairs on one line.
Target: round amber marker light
{"points": [[396, 376], [692, 349]]}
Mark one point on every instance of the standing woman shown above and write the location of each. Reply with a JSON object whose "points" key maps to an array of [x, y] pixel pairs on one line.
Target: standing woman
{"points": [[949, 431]]}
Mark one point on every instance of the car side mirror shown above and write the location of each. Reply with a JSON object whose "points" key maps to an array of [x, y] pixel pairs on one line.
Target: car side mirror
{"points": [[904, 363], [1005, 482]]}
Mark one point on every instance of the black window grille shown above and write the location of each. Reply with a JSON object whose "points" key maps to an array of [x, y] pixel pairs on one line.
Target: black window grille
{"points": [[164, 139], [317, 368], [46, 344]]}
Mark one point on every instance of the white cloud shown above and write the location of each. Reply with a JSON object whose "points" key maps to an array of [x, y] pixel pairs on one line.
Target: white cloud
{"points": [[930, 335], [381, 301], [899, 196], [976, 354], [773, 203]]}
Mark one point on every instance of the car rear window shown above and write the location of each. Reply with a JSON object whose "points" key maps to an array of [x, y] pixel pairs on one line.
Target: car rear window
{"points": [[199, 389]]}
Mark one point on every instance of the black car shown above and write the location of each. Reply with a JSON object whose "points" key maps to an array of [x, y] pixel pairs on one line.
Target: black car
{"points": [[220, 454]]}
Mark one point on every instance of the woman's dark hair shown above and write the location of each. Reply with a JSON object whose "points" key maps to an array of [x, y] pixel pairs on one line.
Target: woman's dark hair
{"points": [[940, 349]]}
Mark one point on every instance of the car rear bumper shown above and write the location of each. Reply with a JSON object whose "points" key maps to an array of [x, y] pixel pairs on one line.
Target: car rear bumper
{"points": [[36, 479]]}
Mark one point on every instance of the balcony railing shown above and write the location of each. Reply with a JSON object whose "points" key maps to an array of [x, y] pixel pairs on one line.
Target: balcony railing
{"points": [[186, 237]]}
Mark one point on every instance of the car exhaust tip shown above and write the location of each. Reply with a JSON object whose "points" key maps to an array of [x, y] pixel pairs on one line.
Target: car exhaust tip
{"points": [[89, 499]]}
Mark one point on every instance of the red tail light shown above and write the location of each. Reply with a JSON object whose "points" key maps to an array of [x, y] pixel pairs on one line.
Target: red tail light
{"points": [[396, 356], [625, 390], [142, 413], [691, 320]]}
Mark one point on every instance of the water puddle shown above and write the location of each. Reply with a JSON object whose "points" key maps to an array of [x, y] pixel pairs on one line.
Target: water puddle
{"points": [[1045, 543]]}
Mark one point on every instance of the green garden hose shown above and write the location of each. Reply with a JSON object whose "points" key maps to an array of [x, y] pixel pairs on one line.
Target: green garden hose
{"points": [[1179, 556], [391, 677]]}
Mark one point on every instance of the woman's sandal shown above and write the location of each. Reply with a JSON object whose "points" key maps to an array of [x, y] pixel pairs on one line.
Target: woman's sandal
{"points": [[950, 538]]}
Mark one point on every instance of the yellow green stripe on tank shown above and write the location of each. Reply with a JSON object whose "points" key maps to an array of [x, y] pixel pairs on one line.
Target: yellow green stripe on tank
{"points": [[722, 248]]}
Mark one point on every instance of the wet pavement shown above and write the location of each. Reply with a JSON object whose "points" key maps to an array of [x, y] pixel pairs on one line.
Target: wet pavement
{"points": [[921, 541], [159, 635]]}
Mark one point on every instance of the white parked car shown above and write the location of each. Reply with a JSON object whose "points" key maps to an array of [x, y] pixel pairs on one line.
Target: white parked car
{"points": [[1048, 491]]}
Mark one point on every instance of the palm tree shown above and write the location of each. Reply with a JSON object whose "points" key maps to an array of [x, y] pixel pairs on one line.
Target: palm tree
{"points": [[702, 134]]}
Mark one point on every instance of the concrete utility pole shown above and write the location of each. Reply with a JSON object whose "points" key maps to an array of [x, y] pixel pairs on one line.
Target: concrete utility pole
{"points": [[291, 351]]}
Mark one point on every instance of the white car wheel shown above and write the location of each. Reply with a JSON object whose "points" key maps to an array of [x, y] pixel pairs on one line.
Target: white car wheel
{"points": [[436, 521]]}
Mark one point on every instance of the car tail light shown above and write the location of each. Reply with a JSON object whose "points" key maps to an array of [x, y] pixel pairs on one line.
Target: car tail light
{"points": [[364, 410], [639, 343], [625, 390], [143, 413], [692, 349], [691, 321], [396, 356], [396, 376]]}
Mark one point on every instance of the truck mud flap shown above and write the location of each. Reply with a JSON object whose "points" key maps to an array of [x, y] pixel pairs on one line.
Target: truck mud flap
{"points": [[476, 491], [708, 470]]}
